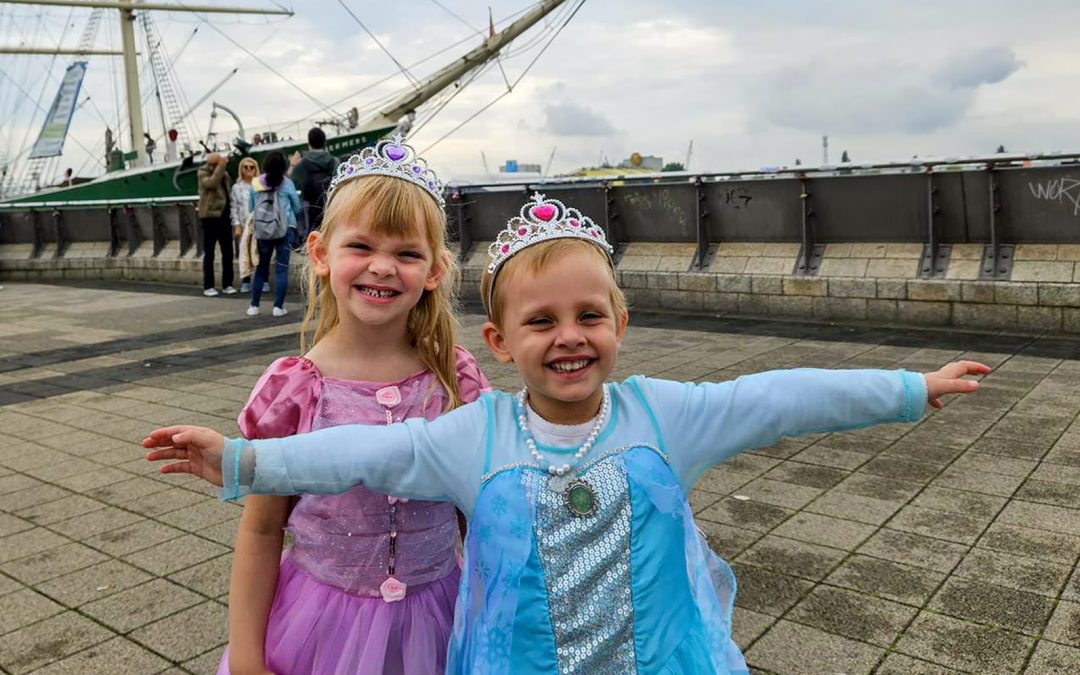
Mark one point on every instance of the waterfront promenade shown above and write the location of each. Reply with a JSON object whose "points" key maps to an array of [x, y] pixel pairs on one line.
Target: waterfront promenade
{"points": [[950, 545]]}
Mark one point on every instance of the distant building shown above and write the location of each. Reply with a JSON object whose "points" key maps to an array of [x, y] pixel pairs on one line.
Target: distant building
{"points": [[512, 166], [647, 162]]}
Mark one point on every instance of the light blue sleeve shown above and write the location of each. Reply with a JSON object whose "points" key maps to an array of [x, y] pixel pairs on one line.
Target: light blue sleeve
{"points": [[703, 424], [288, 190], [437, 460]]}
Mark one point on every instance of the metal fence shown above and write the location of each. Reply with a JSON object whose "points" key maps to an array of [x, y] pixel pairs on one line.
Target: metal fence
{"points": [[126, 227], [997, 202]]}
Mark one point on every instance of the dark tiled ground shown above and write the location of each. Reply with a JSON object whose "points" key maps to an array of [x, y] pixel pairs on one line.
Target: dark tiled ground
{"points": [[947, 546]]}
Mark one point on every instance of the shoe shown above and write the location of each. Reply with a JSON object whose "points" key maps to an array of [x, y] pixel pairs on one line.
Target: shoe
{"points": [[245, 287], [280, 311], [252, 310], [229, 290], [266, 288], [210, 292]]}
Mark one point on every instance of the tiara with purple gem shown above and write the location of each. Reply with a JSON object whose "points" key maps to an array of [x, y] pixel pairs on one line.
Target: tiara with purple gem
{"points": [[542, 219], [389, 157]]}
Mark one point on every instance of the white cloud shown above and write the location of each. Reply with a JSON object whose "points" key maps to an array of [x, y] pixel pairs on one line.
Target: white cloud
{"points": [[880, 95], [569, 119], [751, 83]]}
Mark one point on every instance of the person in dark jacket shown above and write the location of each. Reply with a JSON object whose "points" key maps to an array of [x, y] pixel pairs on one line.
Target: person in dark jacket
{"points": [[311, 172], [213, 212]]}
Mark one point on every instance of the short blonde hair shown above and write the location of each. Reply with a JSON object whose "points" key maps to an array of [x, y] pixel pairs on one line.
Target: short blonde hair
{"points": [[247, 161], [536, 258], [432, 322]]}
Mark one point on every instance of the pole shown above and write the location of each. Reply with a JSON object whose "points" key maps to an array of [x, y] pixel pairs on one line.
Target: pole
{"points": [[167, 6], [49, 51], [131, 81]]}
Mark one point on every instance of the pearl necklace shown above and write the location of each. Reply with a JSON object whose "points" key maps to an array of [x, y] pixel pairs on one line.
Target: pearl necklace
{"points": [[523, 424]]}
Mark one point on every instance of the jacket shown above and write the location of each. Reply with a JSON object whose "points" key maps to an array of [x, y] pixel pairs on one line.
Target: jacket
{"points": [[314, 162], [214, 184]]}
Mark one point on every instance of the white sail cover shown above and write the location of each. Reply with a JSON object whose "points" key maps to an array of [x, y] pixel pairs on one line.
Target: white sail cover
{"points": [[50, 142]]}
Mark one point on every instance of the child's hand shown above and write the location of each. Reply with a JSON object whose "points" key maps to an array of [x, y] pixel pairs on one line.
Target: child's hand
{"points": [[199, 450], [950, 380]]}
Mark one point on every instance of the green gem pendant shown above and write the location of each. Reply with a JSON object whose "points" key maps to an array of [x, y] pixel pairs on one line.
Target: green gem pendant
{"points": [[580, 498]]}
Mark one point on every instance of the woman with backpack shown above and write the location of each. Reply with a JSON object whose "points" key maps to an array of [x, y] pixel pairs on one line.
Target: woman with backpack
{"points": [[274, 206]]}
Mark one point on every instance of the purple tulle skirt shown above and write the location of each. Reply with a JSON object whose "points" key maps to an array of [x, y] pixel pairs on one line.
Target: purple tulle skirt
{"points": [[318, 629]]}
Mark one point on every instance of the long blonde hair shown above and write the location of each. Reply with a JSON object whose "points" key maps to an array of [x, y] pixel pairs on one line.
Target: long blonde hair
{"points": [[432, 325]]}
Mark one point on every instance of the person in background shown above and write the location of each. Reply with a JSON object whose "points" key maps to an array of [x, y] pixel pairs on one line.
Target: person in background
{"points": [[285, 203], [312, 172], [151, 146], [214, 184], [246, 250]]}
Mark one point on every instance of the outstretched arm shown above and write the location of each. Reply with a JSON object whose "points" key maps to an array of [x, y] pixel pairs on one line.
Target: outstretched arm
{"points": [[703, 424], [417, 458]]}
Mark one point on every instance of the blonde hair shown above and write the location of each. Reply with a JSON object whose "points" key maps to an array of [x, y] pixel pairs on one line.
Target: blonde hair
{"points": [[432, 325], [240, 167], [536, 258]]}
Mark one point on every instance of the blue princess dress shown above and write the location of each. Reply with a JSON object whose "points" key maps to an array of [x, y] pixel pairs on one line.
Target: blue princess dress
{"points": [[630, 588]]}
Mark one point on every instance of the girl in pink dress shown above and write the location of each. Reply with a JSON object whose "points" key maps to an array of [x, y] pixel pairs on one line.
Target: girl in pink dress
{"points": [[369, 583]]}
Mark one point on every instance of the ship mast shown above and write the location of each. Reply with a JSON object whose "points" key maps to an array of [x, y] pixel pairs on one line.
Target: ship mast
{"points": [[127, 33], [446, 76]]}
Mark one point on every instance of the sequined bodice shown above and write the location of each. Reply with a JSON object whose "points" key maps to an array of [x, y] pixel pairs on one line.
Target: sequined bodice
{"points": [[589, 591], [344, 539]]}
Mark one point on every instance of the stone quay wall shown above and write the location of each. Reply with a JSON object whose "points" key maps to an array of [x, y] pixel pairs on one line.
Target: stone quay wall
{"points": [[874, 282]]}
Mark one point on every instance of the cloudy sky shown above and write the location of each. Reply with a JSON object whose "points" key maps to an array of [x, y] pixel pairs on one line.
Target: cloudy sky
{"points": [[750, 83]]}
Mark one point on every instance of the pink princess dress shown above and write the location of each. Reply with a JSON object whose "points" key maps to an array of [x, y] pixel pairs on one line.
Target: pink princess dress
{"points": [[370, 581]]}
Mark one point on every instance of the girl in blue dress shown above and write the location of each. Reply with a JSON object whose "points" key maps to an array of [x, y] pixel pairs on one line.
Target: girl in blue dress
{"points": [[582, 555]]}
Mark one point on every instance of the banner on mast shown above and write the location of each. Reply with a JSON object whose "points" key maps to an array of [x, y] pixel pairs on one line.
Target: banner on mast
{"points": [[50, 142]]}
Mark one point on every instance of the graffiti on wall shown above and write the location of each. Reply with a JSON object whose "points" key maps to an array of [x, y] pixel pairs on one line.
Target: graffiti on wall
{"points": [[1062, 190], [663, 201], [739, 198]]}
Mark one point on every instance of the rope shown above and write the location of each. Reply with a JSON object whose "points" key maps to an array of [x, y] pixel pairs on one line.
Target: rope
{"points": [[404, 71], [511, 88], [322, 106], [451, 13], [367, 88]]}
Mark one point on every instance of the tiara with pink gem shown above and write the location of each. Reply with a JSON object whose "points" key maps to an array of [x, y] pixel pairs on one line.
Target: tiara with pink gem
{"points": [[542, 219], [389, 157]]}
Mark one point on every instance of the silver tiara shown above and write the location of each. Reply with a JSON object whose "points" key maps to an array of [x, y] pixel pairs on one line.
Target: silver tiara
{"points": [[389, 157], [542, 219]]}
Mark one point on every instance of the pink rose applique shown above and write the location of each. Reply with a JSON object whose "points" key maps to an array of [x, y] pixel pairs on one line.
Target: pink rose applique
{"points": [[388, 396], [392, 590]]}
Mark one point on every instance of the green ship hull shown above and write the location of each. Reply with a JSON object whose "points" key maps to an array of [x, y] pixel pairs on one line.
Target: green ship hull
{"points": [[175, 180]]}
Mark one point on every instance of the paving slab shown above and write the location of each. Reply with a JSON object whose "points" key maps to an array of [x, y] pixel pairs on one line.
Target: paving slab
{"points": [[951, 545], [965, 646]]}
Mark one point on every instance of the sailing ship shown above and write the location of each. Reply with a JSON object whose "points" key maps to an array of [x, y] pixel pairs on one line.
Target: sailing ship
{"points": [[131, 179]]}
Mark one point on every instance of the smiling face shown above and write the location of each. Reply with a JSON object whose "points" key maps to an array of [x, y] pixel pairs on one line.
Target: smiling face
{"points": [[558, 324], [376, 278]]}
